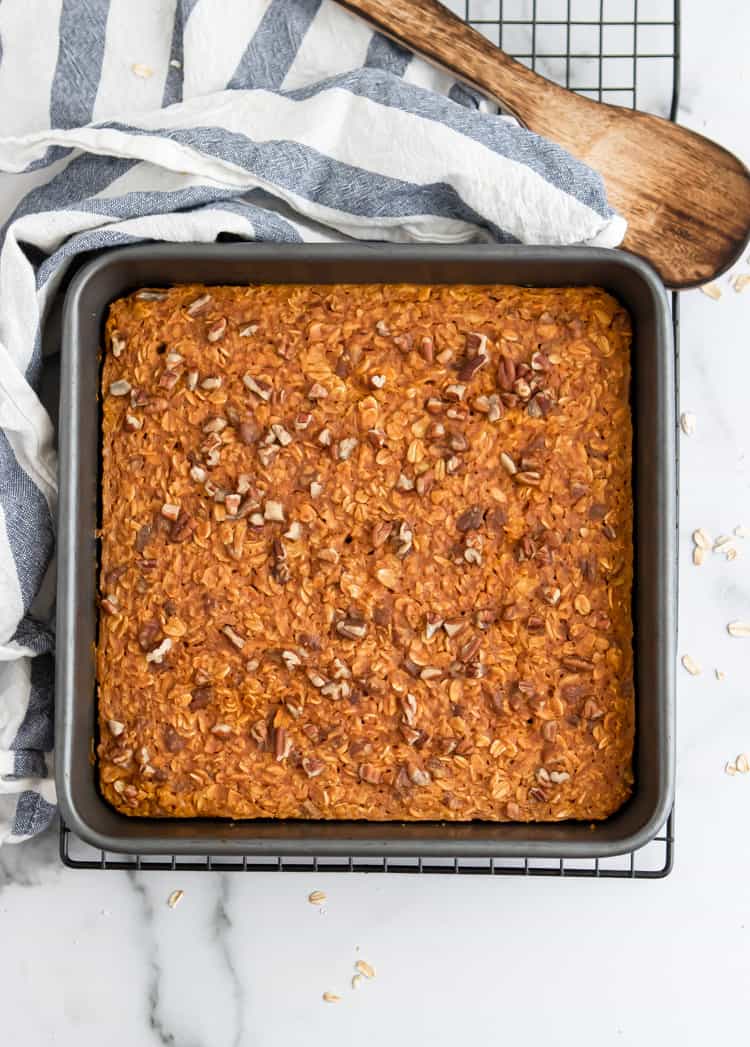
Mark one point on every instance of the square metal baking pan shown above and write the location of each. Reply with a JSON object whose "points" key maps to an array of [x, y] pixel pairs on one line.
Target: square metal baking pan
{"points": [[118, 272]]}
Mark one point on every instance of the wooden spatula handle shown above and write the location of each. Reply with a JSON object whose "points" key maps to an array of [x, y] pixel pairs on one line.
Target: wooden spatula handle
{"points": [[686, 199]]}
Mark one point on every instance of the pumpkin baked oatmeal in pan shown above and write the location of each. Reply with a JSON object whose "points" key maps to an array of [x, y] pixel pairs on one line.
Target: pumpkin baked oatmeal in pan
{"points": [[366, 553]]}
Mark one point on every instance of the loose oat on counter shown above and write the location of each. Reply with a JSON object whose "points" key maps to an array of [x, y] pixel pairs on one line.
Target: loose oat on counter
{"points": [[366, 553]]}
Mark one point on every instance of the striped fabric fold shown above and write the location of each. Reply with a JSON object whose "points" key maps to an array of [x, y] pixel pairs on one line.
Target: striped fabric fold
{"points": [[186, 120]]}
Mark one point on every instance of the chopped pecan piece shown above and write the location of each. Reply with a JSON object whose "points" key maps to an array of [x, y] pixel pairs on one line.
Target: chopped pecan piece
{"points": [[280, 568], [427, 349], [201, 698], [216, 331], [506, 373], [312, 766], [148, 634], [182, 527], [249, 432], [173, 740], [404, 342], [198, 305], [469, 648], [370, 773], [381, 532], [234, 637], [471, 519], [109, 604], [575, 664], [351, 629]]}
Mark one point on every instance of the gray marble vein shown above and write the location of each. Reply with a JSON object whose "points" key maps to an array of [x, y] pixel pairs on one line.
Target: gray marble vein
{"points": [[222, 925], [32, 863], [156, 1021]]}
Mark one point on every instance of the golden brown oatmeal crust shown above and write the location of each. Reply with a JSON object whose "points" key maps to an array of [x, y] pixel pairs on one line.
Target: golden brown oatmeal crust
{"points": [[366, 553]]}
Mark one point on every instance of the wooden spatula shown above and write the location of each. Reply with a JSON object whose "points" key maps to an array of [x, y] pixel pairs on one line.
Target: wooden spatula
{"points": [[686, 199]]}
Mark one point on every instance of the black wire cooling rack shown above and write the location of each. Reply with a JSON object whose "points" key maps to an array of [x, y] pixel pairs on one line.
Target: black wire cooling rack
{"points": [[626, 52]]}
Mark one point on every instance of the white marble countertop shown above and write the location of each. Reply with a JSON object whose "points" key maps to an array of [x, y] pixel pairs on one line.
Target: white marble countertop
{"points": [[91, 958]]}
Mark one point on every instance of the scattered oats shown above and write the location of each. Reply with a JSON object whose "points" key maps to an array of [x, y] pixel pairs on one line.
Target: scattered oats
{"points": [[175, 898], [742, 763], [731, 553], [699, 555], [720, 674], [331, 997], [741, 532], [739, 629], [741, 282], [687, 422], [702, 538], [712, 290], [356, 981], [691, 665], [365, 968], [729, 768], [144, 71], [175, 63], [317, 898], [723, 539]]}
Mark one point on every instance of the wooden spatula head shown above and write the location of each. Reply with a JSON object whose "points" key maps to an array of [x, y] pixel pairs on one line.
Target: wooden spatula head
{"points": [[686, 199]]}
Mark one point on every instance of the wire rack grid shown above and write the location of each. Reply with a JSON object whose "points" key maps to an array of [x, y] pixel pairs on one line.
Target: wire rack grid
{"points": [[625, 52]]}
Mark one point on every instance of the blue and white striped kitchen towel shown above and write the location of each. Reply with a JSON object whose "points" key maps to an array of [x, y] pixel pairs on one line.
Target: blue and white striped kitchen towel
{"points": [[127, 120]]}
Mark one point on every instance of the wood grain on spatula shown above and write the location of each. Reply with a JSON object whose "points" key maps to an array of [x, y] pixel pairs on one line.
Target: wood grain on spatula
{"points": [[686, 199]]}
